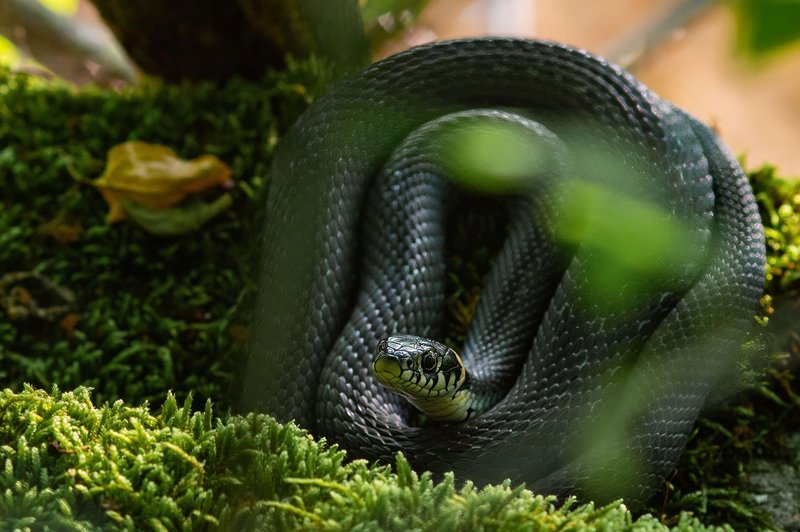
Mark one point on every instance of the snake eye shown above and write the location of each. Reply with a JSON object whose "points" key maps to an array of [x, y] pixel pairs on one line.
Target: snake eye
{"points": [[428, 362]]}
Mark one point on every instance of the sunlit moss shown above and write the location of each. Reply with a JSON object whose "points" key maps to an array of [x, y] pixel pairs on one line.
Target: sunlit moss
{"points": [[68, 465], [779, 202]]}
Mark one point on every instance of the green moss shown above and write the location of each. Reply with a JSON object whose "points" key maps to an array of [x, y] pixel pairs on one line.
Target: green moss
{"points": [[153, 314], [779, 200], [67, 465]]}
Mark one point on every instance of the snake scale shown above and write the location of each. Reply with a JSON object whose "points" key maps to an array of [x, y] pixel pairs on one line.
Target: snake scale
{"points": [[596, 400]]}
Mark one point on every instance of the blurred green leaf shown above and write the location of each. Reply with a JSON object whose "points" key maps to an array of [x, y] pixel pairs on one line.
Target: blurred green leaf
{"points": [[765, 25], [494, 157], [634, 242]]}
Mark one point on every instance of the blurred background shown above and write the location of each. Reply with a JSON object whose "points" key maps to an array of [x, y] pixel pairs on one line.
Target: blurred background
{"points": [[735, 65]]}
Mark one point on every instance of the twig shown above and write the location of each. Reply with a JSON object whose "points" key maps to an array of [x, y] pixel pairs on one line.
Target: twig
{"points": [[632, 48], [67, 46]]}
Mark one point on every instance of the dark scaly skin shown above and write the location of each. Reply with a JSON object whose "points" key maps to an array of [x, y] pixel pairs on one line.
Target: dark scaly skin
{"points": [[354, 253]]}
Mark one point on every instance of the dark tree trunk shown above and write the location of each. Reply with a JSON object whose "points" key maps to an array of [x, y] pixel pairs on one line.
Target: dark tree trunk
{"points": [[215, 39]]}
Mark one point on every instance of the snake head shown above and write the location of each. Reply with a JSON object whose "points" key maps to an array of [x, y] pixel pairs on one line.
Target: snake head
{"points": [[427, 373]]}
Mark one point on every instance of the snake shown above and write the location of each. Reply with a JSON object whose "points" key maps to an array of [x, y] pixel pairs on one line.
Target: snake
{"points": [[622, 289]]}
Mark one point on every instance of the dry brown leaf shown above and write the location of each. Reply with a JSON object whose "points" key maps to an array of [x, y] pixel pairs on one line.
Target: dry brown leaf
{"points": [[61, 229], [154, 176], [69, 322]]}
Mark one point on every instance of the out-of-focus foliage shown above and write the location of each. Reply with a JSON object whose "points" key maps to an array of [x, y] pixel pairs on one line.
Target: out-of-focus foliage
{"points": [[766, 25], [633, 241], [495, 154]]}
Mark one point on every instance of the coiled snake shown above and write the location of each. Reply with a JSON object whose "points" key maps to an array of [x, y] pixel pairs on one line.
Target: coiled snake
{"points": [[590, 397]]}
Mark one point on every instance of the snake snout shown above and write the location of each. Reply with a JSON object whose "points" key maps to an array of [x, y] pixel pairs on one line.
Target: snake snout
{"points": [[386, 366], [387, 369]]}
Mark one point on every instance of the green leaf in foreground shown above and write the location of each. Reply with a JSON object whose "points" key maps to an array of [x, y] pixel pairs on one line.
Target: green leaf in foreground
{"points": [[766, 25]]}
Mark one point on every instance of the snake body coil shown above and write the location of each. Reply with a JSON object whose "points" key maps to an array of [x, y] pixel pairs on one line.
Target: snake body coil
{"points": [[589, 398]]}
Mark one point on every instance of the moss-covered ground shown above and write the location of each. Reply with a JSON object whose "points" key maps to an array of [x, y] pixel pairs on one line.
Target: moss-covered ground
{"points": [[153, 315]]}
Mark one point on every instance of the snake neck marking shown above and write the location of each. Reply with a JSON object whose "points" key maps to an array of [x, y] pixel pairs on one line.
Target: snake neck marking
{"points": [[430, 375]]}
